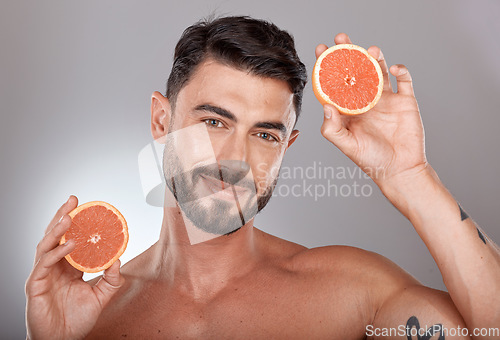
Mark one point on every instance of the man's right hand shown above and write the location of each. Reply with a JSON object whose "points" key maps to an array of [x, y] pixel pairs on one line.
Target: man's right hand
{"points": [[59, 303]]}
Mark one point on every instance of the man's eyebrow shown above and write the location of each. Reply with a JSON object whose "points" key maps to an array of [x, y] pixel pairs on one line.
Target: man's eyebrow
{"points": [[217, 110], [273, 126], [225, 113]]}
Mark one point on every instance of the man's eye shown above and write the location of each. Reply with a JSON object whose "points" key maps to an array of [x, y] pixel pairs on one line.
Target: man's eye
{"points": [[214, 123], [266, 136]]}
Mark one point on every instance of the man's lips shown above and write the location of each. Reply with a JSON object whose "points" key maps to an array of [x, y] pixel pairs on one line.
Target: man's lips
{"points": [[216, 186]]}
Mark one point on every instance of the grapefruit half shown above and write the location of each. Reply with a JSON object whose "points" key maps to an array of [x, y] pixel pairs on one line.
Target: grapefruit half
{"points": [[101, 236], [349, 78]]}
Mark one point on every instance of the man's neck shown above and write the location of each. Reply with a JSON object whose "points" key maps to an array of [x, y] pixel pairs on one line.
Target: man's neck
{"points": [[201, 269]]}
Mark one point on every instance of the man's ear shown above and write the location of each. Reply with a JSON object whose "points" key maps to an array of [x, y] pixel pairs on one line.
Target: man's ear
{"points": [[293, 137], [161, 113]]}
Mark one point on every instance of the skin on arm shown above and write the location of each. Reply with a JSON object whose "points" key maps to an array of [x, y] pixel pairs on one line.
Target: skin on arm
{"points": [[387, 143], [400, 305], [418, 312], [468, 260], [393, 302]]}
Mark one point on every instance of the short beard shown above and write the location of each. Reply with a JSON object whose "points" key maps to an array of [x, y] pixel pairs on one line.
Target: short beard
{"points": [[266, 196], [216, 218]]}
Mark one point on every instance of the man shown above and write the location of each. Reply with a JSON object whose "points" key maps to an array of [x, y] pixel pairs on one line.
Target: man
{"points": [[238, 82]]}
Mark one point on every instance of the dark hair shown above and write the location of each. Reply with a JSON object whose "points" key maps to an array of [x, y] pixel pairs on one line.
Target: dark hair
{"points": [[253, 45]]}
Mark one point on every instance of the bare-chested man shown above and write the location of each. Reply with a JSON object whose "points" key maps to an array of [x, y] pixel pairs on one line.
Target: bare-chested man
{"points": [[238, 83]]}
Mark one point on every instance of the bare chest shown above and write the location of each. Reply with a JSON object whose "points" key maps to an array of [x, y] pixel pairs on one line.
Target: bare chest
{"points": [[278, 310]]}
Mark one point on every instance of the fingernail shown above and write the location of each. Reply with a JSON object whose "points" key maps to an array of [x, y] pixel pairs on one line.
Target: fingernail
{"points": [[67, 242], [328, 113], [380, 56], [403, 71]]}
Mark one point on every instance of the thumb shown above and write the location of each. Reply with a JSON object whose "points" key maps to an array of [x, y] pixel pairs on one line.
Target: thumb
{"points": [[334, 130], [109, 283]]}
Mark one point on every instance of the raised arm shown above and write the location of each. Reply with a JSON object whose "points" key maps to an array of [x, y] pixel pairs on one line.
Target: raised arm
{"points": [[387, 142]]}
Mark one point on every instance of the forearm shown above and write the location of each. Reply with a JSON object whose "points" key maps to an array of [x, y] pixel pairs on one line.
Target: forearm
{"points": [[468, 260]]}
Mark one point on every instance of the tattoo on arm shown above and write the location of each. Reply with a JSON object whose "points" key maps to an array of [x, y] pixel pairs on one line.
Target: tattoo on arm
{"points": [[464, 216], [422, 334], [481, 236]]}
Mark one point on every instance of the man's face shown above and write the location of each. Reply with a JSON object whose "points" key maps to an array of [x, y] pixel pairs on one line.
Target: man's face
{"points": [[227, 138]]}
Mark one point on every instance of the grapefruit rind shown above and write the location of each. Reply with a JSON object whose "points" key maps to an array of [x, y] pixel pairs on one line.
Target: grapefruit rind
{"points": [[108, 264], [324, 99]]}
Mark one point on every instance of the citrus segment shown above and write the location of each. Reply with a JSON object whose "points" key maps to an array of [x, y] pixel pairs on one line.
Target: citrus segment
{"points": [[347, 77], [100, 233]]}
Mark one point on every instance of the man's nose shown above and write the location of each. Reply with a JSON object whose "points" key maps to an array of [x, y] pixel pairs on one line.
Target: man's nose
{"points": [[234, 148], [233, 171], [232, 160]]}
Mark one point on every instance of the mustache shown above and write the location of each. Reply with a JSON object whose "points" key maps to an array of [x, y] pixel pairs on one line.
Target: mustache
{"points": [[228, 171], [231, 172]]}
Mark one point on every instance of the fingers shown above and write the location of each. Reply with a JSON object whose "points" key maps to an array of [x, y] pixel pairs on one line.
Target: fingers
{"points": [[320, 49], [334, 130], [44, 265], [342, 38], [52, 238], [109, 283], [69, 205], [376, 52], [403, 79], [112, 275]]}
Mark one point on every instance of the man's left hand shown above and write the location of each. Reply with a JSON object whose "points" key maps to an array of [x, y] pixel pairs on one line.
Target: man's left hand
{"points": [[387, 141]]}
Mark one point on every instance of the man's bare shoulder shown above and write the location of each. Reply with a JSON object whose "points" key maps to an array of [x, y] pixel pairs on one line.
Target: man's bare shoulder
{"points": [[350, 262], [355, 263]]}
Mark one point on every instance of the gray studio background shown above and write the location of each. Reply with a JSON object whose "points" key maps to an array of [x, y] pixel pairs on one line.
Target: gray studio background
{"points": [[76, 79]]}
